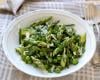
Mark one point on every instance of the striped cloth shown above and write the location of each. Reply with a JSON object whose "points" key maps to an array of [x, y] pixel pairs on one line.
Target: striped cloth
{"points": [[9, 72]]}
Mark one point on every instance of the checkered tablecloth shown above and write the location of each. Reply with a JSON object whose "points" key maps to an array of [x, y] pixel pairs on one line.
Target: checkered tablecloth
{"points": [[9, 72]]}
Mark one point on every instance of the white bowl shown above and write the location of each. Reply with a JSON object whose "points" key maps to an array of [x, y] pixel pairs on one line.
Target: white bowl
{"points": [[10, 40]]}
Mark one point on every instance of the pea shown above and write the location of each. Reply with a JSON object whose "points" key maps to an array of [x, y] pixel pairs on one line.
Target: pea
{"points": [[74, 61]]}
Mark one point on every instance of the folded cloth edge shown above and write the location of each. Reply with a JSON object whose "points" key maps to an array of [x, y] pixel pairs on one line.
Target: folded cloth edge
{"points": [[14, 5]]}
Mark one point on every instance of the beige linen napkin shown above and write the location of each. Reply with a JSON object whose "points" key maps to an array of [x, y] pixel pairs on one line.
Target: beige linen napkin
{"points": [[10, 5]]}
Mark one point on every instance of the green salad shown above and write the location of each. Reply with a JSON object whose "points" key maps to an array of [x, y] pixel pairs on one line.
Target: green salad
{"points": [[50, 46]]}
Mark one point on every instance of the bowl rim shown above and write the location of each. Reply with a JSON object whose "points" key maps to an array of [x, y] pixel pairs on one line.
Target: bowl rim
{"points": [[60, 12]]}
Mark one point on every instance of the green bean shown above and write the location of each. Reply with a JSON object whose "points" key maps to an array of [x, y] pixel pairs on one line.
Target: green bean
{"points": [[41, 22], [63, 60], [20, 50], [51, 27], [69, 25], [83, 38], [57, 50], [38, 63]]}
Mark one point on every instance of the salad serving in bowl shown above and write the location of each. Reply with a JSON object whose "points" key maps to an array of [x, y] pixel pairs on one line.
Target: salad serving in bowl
{"points": [[49, 43]]}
